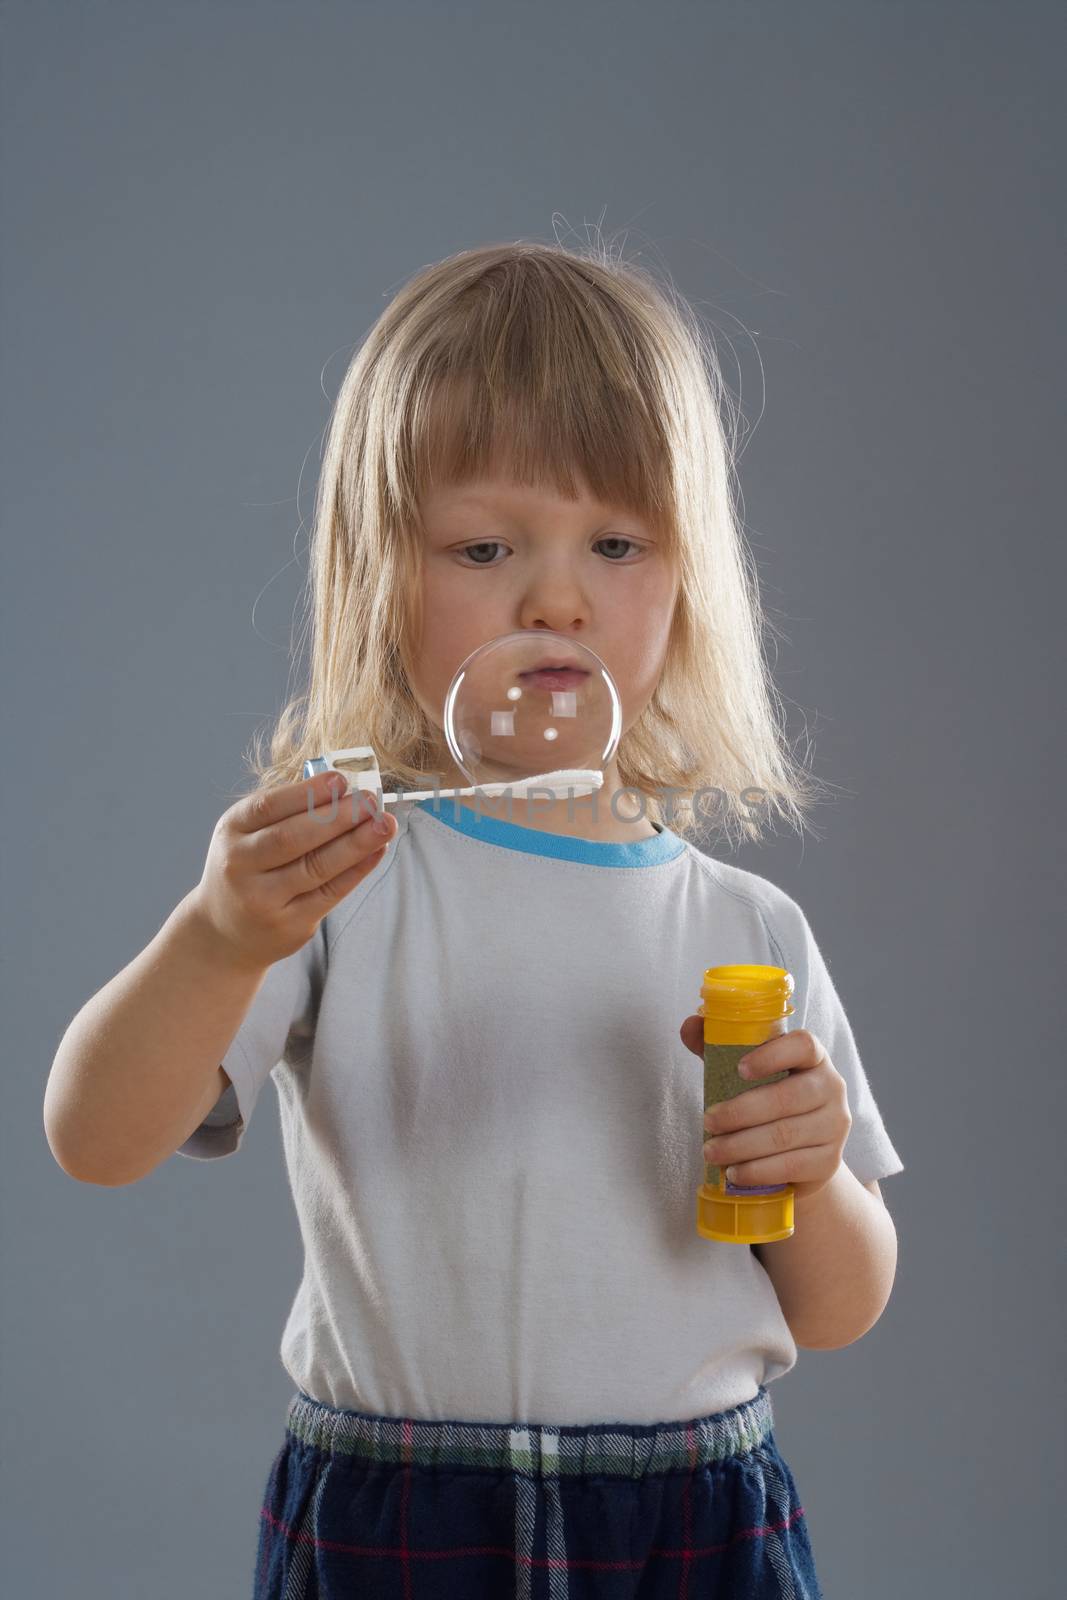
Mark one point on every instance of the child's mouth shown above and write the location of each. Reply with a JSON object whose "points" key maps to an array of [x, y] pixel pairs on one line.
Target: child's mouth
{"points": [[554, 677]]}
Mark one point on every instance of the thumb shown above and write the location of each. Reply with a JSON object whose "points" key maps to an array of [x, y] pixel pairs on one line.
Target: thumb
{"points": [[691, 1034]]}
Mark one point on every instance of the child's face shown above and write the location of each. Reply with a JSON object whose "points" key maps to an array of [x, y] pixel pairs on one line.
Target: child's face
{"points": [[499, 557]]}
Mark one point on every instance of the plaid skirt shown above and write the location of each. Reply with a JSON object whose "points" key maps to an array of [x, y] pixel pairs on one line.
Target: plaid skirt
{"points": [[390, 1508]]}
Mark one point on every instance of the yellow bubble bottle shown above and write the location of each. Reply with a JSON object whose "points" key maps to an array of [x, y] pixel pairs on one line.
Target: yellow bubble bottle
{"points": [[742, 1007]]}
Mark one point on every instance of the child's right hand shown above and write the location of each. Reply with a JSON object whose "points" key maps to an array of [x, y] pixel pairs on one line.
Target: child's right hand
{"points": [[275, 868]]}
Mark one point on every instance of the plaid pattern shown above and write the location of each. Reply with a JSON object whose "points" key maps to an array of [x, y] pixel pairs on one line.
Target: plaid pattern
{"points": [[389, 1508]]}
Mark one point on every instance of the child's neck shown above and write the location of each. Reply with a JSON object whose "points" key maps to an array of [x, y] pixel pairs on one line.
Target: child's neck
{"points": [[553, 817], [583, 816]]}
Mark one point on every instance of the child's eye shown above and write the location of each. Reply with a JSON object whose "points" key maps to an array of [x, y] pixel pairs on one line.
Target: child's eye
{"points": [[489, 544], [617, 538], [492, 544]]}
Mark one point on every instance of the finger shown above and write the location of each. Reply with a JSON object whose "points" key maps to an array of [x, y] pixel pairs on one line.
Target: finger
{"points": [[287, 841], [691, 1034], [784, 1136], [797, 1048], [799, 1167], [794, 1096], [336, 888], [268, 806], [345, 847]]}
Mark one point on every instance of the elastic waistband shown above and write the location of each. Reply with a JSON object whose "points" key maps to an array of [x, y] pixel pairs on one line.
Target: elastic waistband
{"points": [[611, 1449]]}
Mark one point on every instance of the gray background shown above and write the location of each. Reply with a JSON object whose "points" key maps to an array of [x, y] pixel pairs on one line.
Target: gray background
{"points": [[202, 207]]}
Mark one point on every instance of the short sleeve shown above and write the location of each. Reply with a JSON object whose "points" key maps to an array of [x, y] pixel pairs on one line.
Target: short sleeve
{"points": [[869, 1151], [279, 1026]]}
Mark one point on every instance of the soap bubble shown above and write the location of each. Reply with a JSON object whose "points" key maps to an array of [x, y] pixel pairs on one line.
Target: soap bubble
{"points": [[503, 725]]}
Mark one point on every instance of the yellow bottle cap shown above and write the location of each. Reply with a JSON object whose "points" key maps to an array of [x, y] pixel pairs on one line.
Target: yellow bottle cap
{"points": [[747, 992], [741, 1219]]}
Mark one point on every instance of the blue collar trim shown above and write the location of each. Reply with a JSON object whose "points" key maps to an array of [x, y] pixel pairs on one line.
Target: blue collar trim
{"points": [[561, 847]]}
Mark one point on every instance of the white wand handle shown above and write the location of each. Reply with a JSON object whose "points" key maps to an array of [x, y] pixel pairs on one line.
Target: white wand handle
{"points": [[359, 765], [567, 780]]}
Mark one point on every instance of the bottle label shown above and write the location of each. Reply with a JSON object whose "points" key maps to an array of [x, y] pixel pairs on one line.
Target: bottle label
{"points": [[722, 1081]]}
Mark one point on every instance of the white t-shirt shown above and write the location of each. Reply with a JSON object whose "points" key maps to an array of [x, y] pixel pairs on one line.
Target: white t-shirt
{"points": [[494, 1133]]}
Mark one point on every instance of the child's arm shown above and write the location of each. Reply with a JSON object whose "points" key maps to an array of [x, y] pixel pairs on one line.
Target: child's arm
{"points": [[138, 1068]]}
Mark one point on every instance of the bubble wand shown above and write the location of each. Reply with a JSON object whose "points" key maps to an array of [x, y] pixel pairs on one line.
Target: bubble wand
{"points": [[506, 702]]}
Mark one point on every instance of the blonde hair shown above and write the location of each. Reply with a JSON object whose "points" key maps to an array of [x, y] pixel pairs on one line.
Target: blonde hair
{"points": [[553, 366]]}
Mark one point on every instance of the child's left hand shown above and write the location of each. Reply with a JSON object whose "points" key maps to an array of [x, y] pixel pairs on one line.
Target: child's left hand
{"points": [[789, 1132]]}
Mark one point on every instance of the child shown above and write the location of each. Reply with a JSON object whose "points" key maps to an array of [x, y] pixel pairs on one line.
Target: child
{"points": [[518, 1367]]}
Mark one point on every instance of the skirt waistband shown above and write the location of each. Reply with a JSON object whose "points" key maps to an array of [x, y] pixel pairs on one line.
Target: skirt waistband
{"points": [[605, 1449]]}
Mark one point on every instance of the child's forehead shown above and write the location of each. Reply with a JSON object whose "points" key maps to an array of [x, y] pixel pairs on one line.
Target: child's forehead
{"points": [[503, 493]]}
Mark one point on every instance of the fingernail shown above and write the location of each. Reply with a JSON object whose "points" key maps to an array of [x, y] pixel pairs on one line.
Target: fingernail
{"points": [[744, 1068]]}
